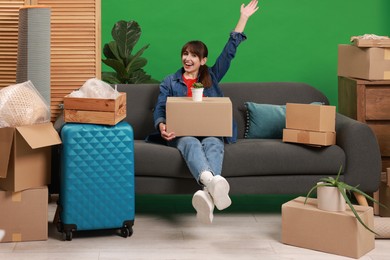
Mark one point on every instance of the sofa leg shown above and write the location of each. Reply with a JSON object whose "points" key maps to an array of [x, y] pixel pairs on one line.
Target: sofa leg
{"points": [[361, 199]]}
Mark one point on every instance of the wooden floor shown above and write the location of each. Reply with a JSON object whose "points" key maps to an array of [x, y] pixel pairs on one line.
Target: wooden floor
{"points": [[166, 228]]}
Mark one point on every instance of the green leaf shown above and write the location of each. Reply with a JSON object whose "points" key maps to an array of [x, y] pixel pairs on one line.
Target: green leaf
{"points": [[342, 191], [136, 62], [135, 65], [110, 77], [126, 35], [107, 52], [118, 55], [116, 65], [338, 174], [115, 51]]}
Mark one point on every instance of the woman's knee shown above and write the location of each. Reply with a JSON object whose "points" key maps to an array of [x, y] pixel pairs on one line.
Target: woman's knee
{"points": [[188, 141], [215, 141]]}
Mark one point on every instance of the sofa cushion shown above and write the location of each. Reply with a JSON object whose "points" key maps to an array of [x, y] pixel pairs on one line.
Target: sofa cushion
{"points": [[257, 157], [265, 120], [151, 159], [247, 157]]}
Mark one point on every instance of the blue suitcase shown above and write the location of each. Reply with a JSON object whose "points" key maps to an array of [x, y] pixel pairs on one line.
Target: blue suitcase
{"points": [[97, 179]]}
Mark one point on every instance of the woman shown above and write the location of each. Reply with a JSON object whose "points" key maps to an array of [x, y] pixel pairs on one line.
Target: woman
{"points": [[203, 155]]}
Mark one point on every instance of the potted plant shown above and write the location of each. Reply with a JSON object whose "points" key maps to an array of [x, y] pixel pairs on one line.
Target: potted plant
{"points": [[345, 190], [197, 91], [128, 67]]}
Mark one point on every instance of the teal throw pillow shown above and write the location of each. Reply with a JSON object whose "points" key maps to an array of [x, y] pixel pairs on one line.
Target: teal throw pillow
{"points": [[265, 121]]}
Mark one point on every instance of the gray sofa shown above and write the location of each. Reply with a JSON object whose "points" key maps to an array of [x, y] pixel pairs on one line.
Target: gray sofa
{"points": [[254, 166]]}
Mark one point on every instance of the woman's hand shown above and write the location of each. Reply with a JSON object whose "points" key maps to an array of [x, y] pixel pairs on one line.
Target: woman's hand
{"points": [[164, 134], [250, 9], [246, 12]]}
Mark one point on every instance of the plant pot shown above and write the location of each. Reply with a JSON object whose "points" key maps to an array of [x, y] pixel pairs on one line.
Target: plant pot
{"points": [[197, 94], [330, 199]]}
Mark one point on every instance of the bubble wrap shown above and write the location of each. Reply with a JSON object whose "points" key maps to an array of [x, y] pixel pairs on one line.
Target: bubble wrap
{"points": [[22, 104], [95, 88]]}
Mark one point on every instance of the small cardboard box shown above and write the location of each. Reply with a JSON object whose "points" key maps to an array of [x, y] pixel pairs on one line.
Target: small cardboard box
{"points": [[304, 225], [25, 156], [24, 215], [311, 117], [210, 117], [95, 110], [364, 63], [309, 137]]}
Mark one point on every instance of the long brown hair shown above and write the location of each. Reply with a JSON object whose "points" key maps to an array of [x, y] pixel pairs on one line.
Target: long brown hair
{"points": [[200, 49]]}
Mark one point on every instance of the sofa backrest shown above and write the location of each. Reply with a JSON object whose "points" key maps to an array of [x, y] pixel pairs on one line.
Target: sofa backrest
{"points": [[141, 99], [276, 93]]}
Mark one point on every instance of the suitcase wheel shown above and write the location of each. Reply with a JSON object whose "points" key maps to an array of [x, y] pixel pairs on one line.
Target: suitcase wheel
{"points": [[126, 231], [67, 235]]}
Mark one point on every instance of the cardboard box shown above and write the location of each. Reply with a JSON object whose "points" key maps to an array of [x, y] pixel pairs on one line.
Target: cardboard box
{"points": [[364, 63], [25, 156], [309, 137], [210, 117], [371, 42], [311, 117], [24, 215], [304, 225], [95, 110]]}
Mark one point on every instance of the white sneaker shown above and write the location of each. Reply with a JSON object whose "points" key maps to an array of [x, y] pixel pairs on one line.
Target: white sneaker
{"points": [[204, 206], [219, 191]]}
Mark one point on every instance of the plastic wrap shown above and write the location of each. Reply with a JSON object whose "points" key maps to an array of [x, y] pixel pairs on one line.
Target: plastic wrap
{"points": [[21, 104], [95, 88]]}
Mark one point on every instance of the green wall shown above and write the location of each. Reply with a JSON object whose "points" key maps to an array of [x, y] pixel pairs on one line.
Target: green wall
{"points": [[288, 40]]}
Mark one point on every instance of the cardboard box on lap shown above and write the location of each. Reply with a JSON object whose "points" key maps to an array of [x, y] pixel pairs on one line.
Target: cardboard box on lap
{"points": [[306, 226], [210, 117], [24, 215], [25, 156]]}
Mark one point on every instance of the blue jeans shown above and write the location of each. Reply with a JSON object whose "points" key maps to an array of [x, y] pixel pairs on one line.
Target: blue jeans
{"points": [[201, 154]]}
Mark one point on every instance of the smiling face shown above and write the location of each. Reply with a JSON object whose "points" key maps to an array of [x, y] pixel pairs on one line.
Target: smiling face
{"points": [[192, 62], [193, 55]]}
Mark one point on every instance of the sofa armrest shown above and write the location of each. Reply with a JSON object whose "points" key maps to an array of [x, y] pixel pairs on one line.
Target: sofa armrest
{"points": [[363, 158]]}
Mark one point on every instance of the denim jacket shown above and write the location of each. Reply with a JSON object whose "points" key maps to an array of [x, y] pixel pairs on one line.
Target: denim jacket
{"points": [[174, 86]]}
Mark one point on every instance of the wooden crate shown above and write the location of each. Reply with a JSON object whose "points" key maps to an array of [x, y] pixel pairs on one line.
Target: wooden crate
{"points": [[95, 110]]}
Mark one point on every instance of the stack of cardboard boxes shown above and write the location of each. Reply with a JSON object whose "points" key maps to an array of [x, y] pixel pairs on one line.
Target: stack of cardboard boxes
{"points": [[364, 94], [364, 86], [25, 156], [310, 124], [304, 225]]}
